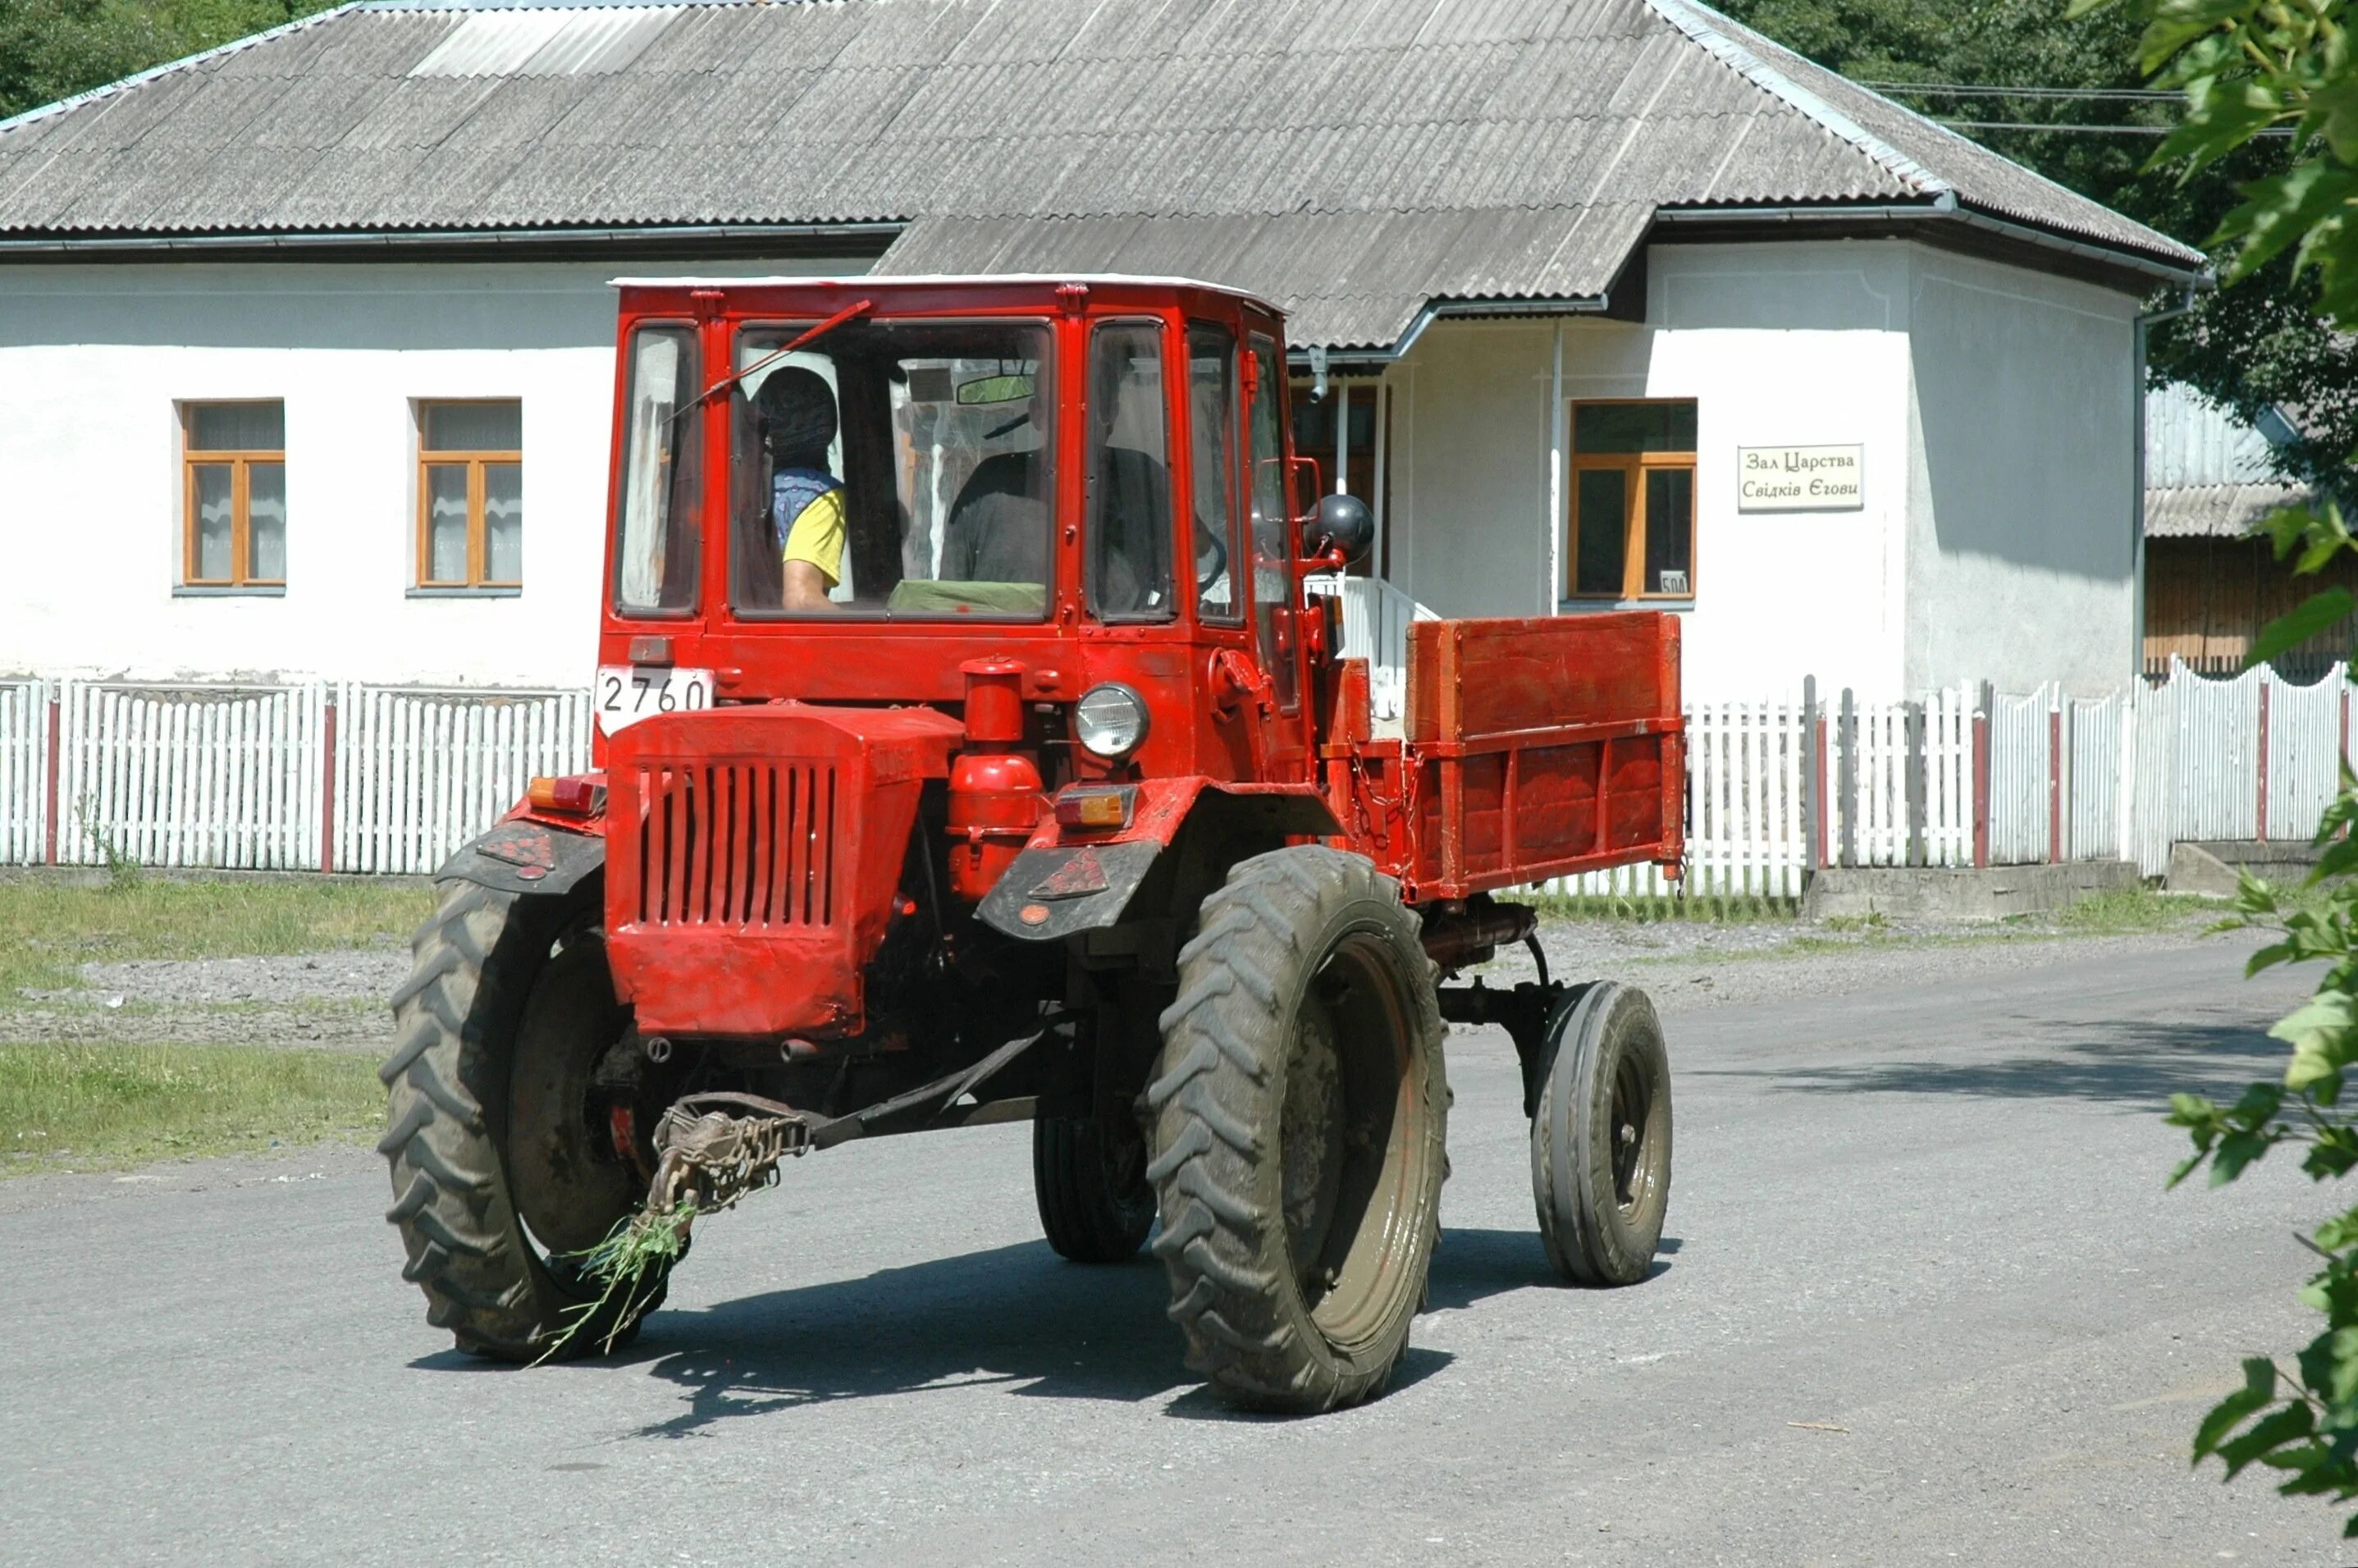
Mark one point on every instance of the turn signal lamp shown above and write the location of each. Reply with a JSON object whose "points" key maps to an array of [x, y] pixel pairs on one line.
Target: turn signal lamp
{"points": [[1083, 807], [574, 794], [1109, 720], [650, 650]]}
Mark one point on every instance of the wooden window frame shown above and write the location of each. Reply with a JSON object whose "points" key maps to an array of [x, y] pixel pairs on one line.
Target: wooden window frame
{"points": [[240, 462], [1634, 466], [476, 460]]}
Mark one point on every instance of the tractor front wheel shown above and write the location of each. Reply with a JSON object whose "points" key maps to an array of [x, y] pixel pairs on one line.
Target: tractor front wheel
{"points": [[500, 1129], [1601, 1136], [1301, 1109], [1089, 1181]]}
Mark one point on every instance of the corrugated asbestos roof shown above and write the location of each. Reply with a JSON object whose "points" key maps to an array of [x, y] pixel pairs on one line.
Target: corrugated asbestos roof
{"points": [[1352, 160], [2207, 473]]}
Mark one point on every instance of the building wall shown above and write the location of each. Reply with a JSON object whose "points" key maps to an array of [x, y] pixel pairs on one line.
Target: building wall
{"points": [[2020, 560], [95, 362]]}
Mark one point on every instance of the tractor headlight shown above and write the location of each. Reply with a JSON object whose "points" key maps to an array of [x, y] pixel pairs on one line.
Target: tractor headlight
{"points": [[1111, 721]]}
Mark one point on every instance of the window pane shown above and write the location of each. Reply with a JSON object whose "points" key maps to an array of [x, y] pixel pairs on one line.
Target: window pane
{"points": [[237, 427], [213, 524], [503, 523], [474, 426], [908, 464], [655, 546], [1602, 512], [1127, 545], [1634, 428], [1669, 531], [1211, 408], [266, 522], [445, 523], [1273, 547]]}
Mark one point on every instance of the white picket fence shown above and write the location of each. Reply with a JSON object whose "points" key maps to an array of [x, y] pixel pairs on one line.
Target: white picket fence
{"points": [[421, 771], [24, 771], [369, 778]]}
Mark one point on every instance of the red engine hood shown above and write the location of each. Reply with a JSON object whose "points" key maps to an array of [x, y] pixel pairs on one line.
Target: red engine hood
{"points": [[751, 859]]}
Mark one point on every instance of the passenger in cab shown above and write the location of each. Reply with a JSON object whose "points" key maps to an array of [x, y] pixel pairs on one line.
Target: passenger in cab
{"points": [[799, 422]]}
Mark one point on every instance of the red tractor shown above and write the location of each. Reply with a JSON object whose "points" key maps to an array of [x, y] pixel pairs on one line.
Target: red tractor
{"points": [[971, 751]]}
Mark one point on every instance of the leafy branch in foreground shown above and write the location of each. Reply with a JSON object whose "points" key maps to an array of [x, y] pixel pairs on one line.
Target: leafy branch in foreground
{"points": [[2246, 67]]}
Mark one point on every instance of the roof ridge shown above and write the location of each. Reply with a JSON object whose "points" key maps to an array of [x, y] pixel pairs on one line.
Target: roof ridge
{"points": [[140, 78], [1696, 22]]}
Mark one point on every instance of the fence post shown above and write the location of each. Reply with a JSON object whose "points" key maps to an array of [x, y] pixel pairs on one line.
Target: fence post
{"points": [[1846, 777], [1985, 701], [328, 782], [2055, 778], [49, 807], [1813, 778], [2261, 822]]}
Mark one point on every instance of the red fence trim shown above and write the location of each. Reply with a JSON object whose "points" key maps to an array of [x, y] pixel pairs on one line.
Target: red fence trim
{"points": [[1981, 789], [328, 787]]}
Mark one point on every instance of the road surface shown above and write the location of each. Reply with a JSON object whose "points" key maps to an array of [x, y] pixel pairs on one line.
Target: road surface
{"points": [[1925, 1299]]}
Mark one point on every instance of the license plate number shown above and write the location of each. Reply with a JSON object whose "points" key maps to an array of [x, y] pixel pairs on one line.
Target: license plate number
{"points": [[628, 693]]}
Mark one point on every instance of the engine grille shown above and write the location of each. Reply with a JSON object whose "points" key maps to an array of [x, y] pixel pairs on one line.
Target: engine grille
{"points": [[736, 844]]}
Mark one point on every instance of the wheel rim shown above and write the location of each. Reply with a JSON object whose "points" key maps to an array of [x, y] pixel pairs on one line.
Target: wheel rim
{"points": [[1352, 1142], [1636, 1143]]}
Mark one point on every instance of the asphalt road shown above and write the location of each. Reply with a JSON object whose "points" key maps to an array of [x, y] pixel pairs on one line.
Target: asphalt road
{"points": [[1929, 1222]]}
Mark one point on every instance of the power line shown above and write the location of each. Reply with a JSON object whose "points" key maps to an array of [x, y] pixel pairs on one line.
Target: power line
{"points": [[2083, 130], [1987, 90]]}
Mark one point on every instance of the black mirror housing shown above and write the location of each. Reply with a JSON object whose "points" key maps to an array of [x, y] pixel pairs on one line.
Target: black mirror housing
{"points": [[1341, 523]]}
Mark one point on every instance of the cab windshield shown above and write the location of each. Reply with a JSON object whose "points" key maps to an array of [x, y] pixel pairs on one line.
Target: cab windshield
{"points": [[892, 469]]}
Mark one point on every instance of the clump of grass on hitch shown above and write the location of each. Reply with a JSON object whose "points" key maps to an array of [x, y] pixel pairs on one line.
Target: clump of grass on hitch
{"points": [[641, 1249]]}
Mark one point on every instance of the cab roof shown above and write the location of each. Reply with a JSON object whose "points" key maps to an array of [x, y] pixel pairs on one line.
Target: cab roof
{"points": [[1007, 282]]}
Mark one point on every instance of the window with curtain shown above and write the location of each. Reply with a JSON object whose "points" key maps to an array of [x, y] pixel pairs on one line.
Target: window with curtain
{"points": [[470, 494], [234, 495], [1632, 500]]}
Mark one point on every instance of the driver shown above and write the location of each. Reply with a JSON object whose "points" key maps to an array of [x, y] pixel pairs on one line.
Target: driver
{"points": [[998, 524], [805, 499]]}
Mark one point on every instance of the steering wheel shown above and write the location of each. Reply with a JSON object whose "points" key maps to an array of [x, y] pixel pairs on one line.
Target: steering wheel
{"points": [[1205, 576]]}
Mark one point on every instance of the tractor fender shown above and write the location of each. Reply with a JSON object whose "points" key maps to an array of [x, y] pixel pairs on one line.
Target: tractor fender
{"points": [[524, 856], [1069, 881]]}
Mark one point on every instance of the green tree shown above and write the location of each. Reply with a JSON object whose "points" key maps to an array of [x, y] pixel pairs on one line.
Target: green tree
{"points": [[2266, 345], [2247, 68], [54, 48]]}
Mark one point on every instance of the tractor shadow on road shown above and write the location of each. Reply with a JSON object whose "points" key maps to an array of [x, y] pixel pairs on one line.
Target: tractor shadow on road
{"points": [[2135, 1064], [1017, 1317]]}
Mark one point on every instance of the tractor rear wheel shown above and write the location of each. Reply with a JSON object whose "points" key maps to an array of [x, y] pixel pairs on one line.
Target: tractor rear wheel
{"points": [[498, 1130], [1090, 1183], [1300, 1109], [1601, 1136]]}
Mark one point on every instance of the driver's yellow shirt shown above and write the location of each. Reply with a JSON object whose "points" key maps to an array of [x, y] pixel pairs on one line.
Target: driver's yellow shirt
{"points": [[816, 537]]}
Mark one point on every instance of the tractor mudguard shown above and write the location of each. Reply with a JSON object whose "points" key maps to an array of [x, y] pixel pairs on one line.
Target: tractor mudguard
{"points": [[523, 856], [1069, 881]]}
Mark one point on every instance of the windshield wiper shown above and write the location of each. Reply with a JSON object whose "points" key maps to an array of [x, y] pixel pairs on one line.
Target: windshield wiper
{"points": [[725, 382]]}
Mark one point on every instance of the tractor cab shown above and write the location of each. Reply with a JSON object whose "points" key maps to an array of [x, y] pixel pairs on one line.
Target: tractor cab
{"points": [[846, 490]]}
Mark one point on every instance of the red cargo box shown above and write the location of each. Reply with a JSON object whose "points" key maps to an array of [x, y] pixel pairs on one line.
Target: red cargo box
{"points": [[1539, 748]]}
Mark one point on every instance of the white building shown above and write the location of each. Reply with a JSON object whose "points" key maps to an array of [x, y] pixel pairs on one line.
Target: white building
{"points": [[306, 345]]}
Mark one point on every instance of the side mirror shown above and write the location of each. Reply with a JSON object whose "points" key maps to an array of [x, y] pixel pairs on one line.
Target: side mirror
{"points": [[1341, 523]]}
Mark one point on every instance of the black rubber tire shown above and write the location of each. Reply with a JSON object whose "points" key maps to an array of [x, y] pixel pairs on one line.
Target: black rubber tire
{"points": [[1601, 1137], [483, 979], [1305, 1003], [1096, 1205]]}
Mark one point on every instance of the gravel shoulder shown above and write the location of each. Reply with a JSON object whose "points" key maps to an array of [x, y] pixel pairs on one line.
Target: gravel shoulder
{"points": [[333, 999]]}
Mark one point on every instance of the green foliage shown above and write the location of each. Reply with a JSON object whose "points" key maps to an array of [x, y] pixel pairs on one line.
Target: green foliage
{"points": [[100, 1106], [53, 49], [50, 927], [2253, 349]]}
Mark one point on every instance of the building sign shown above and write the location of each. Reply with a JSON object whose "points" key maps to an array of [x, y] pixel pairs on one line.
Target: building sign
{"points": [[1799, 478]]}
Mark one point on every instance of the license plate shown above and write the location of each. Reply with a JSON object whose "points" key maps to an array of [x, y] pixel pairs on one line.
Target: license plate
{"points": [[628, 693]]}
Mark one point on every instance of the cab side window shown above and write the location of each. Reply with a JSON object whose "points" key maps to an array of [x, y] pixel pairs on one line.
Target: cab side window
{"points": [[1272, 546], [1129, 475], [1212, 414]]}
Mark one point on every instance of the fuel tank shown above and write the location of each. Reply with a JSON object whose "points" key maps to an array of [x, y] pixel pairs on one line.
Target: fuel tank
{"points": [[752, 857]]}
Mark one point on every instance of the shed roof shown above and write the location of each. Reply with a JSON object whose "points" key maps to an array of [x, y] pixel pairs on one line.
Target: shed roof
{"points": [[2207, 472], [1352, 160]]}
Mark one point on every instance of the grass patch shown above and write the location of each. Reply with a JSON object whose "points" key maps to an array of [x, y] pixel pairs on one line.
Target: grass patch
{"points": [[50, 928], [1717, 909], [106, 1107], [2128, 911]]}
